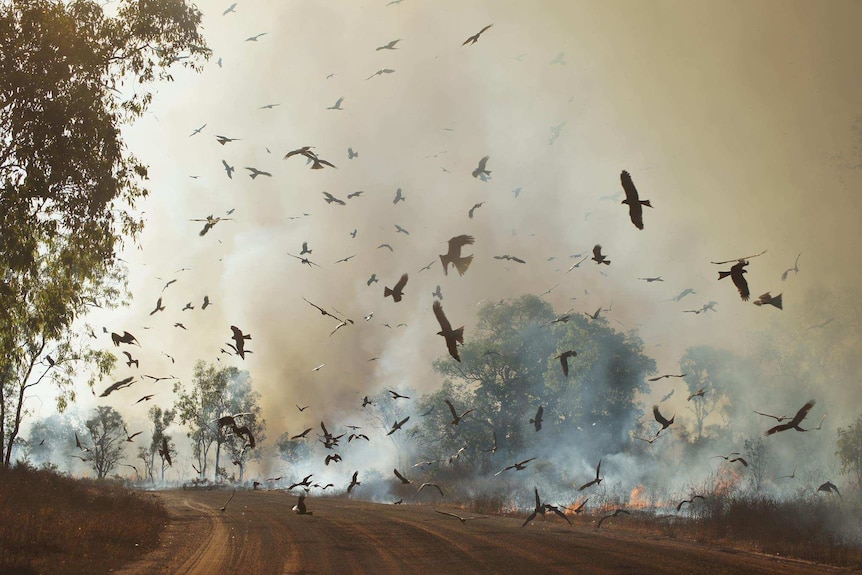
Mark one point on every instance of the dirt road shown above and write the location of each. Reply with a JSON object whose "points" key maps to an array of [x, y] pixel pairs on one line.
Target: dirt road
{"points": [[258, 534]]}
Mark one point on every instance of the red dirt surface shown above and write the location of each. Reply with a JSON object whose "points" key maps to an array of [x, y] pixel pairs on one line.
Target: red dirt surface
{"points": [[258, 534]]}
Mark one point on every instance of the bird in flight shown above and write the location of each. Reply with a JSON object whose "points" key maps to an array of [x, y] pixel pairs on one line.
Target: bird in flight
{"points": [[614, 514], [131, 360], [397, 425], [520, 466], [458, 517], [228, 168], [268, 107], [456, 419], [738, 279], [231, 8], [317, 163], [380, 72], [398, 196], [596, 481], [389, 46], [453, 256], [564, 360], [434, 485], [829, 487], [767, 299], [397, 291], [793, 423], [337, 104], [666, 376], [224, 140], [635, 204], [683, 293], [475, 37], [197, 131], [689, 501], [537, 420], [351, 154], [400, 230], [303, 260], [480, 169], [452, 336], [239, 339], [598, 257], [330, 199], [510, 258], [650, 280], [255, 172], [698, 393], [538, 509], [255, 37], [353, 482], [396, 395], [401, 478], [210, 222], [474, 208], [794, 269], [437, 293], [159, 307], [665, 423], [118, 385], [372, 279]]}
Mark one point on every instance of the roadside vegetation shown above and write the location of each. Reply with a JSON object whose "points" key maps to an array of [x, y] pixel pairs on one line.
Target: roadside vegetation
{"points": [[50, 523]]}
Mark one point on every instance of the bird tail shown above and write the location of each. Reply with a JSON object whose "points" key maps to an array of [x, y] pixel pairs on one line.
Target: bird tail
{"points": [[646, 203], [459, 335], [722, 275], [776, 301], [461, 264], [606, 262], [387, 292]]}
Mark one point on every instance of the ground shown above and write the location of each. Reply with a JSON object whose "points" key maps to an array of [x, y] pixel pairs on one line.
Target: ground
{"points": [[258, 534]]}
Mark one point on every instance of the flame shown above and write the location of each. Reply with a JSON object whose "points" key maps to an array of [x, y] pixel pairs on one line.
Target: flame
{"points": [[636, 498]]}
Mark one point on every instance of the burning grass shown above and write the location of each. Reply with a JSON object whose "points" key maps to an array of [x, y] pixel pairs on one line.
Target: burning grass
{"points": [[50, 523]]}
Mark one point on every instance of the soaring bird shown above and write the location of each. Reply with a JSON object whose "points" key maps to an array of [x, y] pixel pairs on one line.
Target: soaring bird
{"points": [[239, 341], [396, 292], [353, 482], [330, 199], [224, 140], [397, 425], [666, 375], [650, 280], [299, 508], [380, 72], [398, 196], [131, 360], [474, 208], [480, 169], [437, 293], [510, 258], [519, 466], [475, 37], [228, 169], [698, 393], [337, 105], [159, 307], [389, 46], [683, 293], [458, 517], [735, 274], [564, 360], [456, 419], [434, 485], [538, 509], [230, 9], [768, 299], [301, 435], [206, 303], [453, 256], [635, 204], [689, 501], [794, 269], [537, 420], [372, 279], [829, 487], [665, 423], [614, 514], [396, 395], [118, 385], [255, 172], [452, 336], [210, 222], [303, 260], [401, 230], [255, 37], [197, 131], [793, 423], [596, 481], [401, 478], [351, 154], [598, 257]]}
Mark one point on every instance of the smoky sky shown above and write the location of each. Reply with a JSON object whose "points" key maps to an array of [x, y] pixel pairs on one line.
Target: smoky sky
{"points": [[735, 119]]}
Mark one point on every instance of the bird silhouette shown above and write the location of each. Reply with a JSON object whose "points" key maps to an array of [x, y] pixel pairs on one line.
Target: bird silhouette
{"points": [[458, 517], [767, 299], [434, 485], [665, 376], [453, 256], [206, 303], [665, 423], [401, 478], [337, 105], [475, 37], [829, 487], [519, 466], [228, 169], [255, 172], [397, 291], [474, 208], [564, 360], [480, 169], [401, 230], [353, 482], [351, 154], [398, 196], [614, 514], [452, 336], [197, 131], [239, 339], [301, 435], [689, 501], [738, 279], [131, 360], [794, 269], [456, 419], [224, 140], [397, 425], [372, 279], [537, 420], [380, 72], [538, 509], [126, 382], [507, 257], [255, 37], [159, 307], [793, 423], [635, 204], [596, 481], [598, 257], [389, 46]]}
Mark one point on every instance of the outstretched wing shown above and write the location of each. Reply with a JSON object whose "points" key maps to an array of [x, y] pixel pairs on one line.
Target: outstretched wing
{"points": [[401, 283], [802, 413], [597, 251], [451, 408], [658, 416], [445, 326], [635, 210]]}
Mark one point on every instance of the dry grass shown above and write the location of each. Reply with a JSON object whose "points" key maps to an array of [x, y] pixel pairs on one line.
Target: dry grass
{"points": [[50, 523]]}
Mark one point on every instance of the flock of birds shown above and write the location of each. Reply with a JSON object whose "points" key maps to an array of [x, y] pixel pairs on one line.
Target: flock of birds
{"points": [[239, 340]]}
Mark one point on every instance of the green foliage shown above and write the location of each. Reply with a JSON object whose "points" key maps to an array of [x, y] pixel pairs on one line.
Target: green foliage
{"points": [[161, 419], [849, 450], [70, 76], [107, 431], [509, 369]]}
